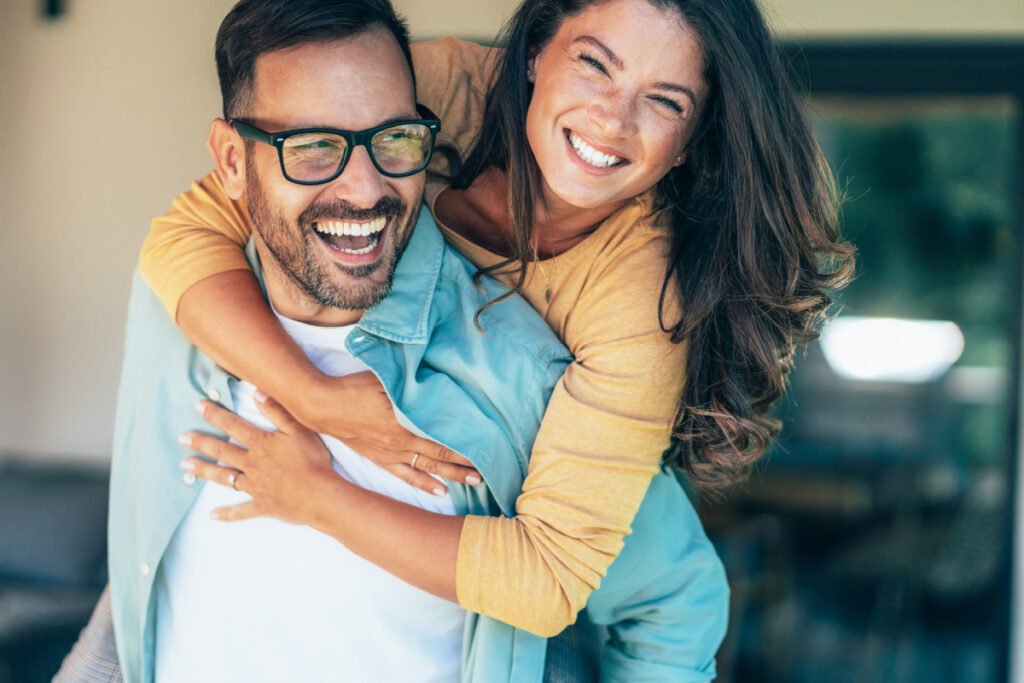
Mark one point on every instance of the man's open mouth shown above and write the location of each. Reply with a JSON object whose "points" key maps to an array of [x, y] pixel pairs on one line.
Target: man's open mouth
{"points": [[351, 237]]}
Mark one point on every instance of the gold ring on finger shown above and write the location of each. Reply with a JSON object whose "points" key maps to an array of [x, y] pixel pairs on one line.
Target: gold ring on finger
{"points": [[415, 457]]}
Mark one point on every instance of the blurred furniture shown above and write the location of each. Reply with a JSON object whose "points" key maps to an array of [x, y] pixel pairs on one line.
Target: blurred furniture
{"points": [[53, 553]]}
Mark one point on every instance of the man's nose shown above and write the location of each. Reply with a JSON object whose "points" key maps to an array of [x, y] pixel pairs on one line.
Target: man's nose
{"points": [[360, 183]]}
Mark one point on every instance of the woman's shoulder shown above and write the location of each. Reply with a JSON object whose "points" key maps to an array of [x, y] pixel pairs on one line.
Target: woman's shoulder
{"points": [[452, 79], [447, 66], [628, 267], [638, 234], [450, 54]]}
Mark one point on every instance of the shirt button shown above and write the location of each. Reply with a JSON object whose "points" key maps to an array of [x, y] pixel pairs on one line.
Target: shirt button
{"points": [[213, 394], [144, 569], [189, 478], [359, 339]]}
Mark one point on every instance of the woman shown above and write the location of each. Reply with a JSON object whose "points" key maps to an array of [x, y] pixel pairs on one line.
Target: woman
{"points": [[669, 214]]}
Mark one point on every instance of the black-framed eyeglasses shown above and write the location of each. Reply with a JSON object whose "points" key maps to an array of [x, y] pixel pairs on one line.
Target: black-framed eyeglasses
{"points": [[312, 156]]}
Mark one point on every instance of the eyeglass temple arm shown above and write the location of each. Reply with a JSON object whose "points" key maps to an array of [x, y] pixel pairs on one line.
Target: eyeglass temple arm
{"points": [[426, 114], [252, 132]]}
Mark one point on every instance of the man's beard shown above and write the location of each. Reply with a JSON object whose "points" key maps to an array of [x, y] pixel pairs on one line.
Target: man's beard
{"points": [[295, 250]]}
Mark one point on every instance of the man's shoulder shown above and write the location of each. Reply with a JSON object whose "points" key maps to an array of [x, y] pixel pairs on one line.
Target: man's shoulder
{"points": [[158, 358], [509, 325]]}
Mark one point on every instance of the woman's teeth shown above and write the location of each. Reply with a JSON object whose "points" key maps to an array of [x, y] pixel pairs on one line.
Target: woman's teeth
{"points": [[591, 155]]}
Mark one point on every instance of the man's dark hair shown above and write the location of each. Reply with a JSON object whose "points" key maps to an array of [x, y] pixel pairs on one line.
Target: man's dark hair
{"points": [[255, 27]]}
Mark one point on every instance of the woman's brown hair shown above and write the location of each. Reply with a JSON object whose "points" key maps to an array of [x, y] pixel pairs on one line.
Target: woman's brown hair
{"points": [[755, 247]]}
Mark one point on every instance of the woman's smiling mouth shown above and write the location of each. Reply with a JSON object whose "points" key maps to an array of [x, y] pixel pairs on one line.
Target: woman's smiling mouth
{"points": [[590, 155]]}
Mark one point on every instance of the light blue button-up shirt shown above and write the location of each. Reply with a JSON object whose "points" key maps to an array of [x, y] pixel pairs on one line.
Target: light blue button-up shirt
{"points": [[665, 597]]}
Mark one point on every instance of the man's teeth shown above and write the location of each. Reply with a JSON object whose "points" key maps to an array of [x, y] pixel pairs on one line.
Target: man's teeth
{"points": [[365, 250], [591, 155], [350, 228]]}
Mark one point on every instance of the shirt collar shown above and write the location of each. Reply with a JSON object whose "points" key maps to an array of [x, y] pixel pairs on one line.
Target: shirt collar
{"points": [[404, 314]]}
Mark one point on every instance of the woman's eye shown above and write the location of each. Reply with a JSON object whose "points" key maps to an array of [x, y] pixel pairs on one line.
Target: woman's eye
{"points": [[669, 103], [594, 62]]}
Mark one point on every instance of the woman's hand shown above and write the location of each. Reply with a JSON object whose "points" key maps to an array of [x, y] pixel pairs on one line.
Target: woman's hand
{"points": [[277, 469], [355, 409]]}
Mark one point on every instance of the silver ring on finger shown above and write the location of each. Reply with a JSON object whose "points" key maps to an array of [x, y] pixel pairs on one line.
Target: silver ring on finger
{"points": [[415, 457], [233, 479]]}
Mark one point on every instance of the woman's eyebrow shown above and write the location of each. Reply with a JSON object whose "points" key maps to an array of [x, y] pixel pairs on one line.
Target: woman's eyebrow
{"points": [[611, 56], [665, 85], [614, 59]]}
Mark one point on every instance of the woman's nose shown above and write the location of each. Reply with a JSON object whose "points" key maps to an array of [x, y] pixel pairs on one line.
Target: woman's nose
{"points": [[614, 114]]}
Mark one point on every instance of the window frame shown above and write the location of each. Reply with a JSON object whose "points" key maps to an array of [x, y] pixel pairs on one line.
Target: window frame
{"points": [[933, 68]]}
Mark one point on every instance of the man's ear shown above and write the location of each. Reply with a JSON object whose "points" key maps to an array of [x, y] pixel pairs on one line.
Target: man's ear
{"points": [[228, 150]]}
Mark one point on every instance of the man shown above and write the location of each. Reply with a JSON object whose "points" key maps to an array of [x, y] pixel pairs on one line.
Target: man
{"points": [[195, 600]]}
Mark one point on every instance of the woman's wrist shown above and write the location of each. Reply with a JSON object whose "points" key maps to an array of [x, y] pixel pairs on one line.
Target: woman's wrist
{"points": [[328, 504], [320, 402]]}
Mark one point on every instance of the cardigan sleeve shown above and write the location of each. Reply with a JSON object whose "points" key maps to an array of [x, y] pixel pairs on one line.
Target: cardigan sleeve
{"points": [[203, 234], [605, 429]]}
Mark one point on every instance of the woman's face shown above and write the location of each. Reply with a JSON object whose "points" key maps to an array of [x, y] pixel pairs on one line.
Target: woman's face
{"points": [[617, 93]]}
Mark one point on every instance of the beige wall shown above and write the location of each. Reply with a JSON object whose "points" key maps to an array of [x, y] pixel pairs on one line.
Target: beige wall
{"points": [[789, 17], [104, 117], [104, 114]]}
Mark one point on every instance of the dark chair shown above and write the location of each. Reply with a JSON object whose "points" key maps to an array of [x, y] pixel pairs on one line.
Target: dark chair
{"points": [[53, 562]]}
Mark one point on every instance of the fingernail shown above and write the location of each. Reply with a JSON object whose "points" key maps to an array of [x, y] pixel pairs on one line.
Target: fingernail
{"points": [[214, 514], [473, 479], [188, 465], [185, 440], [200, 407], [259, 396], [439, 491]]}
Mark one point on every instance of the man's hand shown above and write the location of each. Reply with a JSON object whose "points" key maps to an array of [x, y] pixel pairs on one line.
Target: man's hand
{"points": [[278, 469]]}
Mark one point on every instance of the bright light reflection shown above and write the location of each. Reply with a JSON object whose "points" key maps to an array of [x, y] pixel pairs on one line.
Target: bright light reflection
{"points": [[891, 350]]}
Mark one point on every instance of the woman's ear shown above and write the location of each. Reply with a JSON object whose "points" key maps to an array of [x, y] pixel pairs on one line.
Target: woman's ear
{"points": [[228, 150], [531, 73], [681, 159]]}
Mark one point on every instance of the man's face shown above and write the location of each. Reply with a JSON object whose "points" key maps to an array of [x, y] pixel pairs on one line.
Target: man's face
{"points": [[315, 234]]}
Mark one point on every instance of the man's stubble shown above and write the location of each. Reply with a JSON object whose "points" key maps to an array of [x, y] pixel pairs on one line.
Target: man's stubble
{"points": [[294, 247]]}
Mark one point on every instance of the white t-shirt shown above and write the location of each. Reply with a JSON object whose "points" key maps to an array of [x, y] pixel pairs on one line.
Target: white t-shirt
{"points": [[262, 600]]}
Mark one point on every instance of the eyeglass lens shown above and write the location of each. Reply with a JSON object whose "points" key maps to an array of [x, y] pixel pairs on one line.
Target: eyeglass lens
{"points": [[400, 149]]}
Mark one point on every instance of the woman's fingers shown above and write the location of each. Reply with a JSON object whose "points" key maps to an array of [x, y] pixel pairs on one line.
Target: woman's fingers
{"points": [[419, 468], [225, 476], [446, 470], [438, 452], [215, 448], [236, 513], [420, 480], [237, 428]]}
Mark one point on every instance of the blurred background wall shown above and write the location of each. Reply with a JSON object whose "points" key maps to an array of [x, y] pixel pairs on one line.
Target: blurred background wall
{"points": [[105, 112]]}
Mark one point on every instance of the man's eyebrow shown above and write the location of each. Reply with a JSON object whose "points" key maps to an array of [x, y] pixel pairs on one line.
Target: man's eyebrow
{"points": [[384, 122]]}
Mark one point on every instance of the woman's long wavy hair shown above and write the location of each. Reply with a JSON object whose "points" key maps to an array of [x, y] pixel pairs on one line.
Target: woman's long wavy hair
{"points": [[755, 246]]}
